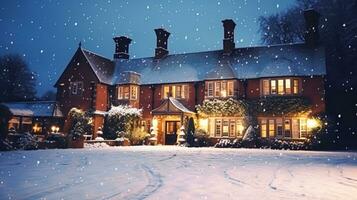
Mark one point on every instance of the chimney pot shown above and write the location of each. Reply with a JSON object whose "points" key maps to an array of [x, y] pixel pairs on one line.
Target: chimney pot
{"points": [[121, 47], [162, 36], [228, 40]]}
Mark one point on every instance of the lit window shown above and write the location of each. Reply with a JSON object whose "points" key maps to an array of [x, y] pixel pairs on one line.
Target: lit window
{"points": [[281, 86], [218, 89], [263, 128], [303, 128], [273, 86], [232, 128], [271, 128], [296, 86], [240, 128], [210, 89], [134, 92], [230, 88], [178, 92], [287, 129], [184, 94], [126, 92], [287, 86], [225, 131], [166, 91], [224, 89], [120, 93], [218, 128], [266, 87]]}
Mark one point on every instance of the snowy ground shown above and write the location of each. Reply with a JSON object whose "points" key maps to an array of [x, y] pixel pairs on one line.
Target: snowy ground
{"points": [[177, 173]]}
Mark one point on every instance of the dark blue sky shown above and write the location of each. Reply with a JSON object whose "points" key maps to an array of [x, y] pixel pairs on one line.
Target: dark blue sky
{"points": [[47, 33]]}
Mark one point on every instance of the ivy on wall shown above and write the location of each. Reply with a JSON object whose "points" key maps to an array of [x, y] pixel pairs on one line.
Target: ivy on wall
{"points": [[217, 107], [280, 106]]}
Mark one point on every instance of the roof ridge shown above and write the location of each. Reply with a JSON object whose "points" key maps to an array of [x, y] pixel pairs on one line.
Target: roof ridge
{"points": [[96, 54]]}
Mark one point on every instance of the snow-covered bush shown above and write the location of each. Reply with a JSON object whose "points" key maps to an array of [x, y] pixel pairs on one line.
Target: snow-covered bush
{"points": [[202, 138], [136, 136], [80, 123], [217, 107], [228, 143], [26, 141], [282, 144], [121, 118]]}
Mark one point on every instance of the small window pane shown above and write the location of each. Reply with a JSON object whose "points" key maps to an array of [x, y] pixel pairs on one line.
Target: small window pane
{"points": [[265, 87], [287, 129], [263, 128], [224, 89], [288, 86], [230, 88], [210, 89], [296, 86], [232, 128], [279, 127], [271, 128], [218, 128], [281, 86], [225, 131], [218, 89], [273, 86], [166, 91]]}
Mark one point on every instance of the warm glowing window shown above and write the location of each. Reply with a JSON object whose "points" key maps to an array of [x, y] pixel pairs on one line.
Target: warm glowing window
{"points": [[296, 86], [120, 93], [210, 89], [232, 128], [287, 128], [240, 128], [218, 89], [225, 128], [303, 128], [76, 87], [263, 128], [126, 92], [280, 86], [176, 91], [224, 89], [273, 86], [218, 128], [287, 86], [134, 92], [266, 87], [230, 88], [271, 128]]}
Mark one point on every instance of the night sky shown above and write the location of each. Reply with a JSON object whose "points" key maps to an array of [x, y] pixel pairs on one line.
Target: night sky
{"points": [[47, 33]]}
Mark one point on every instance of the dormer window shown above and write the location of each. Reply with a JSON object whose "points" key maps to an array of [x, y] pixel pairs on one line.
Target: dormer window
{"points": [[128, 92], [279, 86]]}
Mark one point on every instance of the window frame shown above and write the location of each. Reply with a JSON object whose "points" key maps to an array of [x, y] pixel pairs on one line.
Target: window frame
{"points": [[76, 87]]}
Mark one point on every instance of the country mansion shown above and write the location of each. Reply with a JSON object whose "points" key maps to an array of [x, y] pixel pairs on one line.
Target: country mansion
{"points": [[282, 84]]}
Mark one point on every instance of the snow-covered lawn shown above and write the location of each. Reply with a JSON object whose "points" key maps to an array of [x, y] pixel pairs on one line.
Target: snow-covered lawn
{"points": [[177, 173]]}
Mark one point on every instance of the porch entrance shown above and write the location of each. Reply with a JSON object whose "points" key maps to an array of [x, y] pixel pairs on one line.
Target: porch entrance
{"points": [[171, 129]]}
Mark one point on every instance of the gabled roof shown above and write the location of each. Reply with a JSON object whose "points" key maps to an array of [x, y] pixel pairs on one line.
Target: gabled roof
{"points": [[243, 63], [102, 67], [171, 106], [34, 109]]}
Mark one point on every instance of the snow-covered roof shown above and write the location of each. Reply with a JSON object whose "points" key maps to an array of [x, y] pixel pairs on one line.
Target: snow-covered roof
{"points": [[102, 67], [171, 106], [243, 63], [34, 109]]}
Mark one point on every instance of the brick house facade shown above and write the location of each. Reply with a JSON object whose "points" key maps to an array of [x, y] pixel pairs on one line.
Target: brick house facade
{"points": [[169, 87]]}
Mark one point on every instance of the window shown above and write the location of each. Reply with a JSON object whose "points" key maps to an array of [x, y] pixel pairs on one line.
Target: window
{"points": [[263, 128], [134, 92], [287, 129], [273, 87], [218, 128], [303, 128], [230, 88], [126, 93], [218, 89], [266, 87], [224, 89], [176, 91], [271, 128], [210, 89], [225, 127], [279, 127], [287, 86], [296, 86], [240, 128], [76, 87], [232, 128], [280, 86]]}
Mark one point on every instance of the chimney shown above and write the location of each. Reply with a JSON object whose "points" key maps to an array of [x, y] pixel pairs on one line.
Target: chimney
{"points": [[161, 43], [228, 41], [121, 47], [311, 24]]}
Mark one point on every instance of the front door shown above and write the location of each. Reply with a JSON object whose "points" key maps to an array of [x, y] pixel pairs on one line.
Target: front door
{"points": [[171, 128]]}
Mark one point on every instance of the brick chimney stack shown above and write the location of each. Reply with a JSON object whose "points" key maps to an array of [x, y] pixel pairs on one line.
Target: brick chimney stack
{"points": [[121, 47], [228, 41], [161, 43], [311, 24]]}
